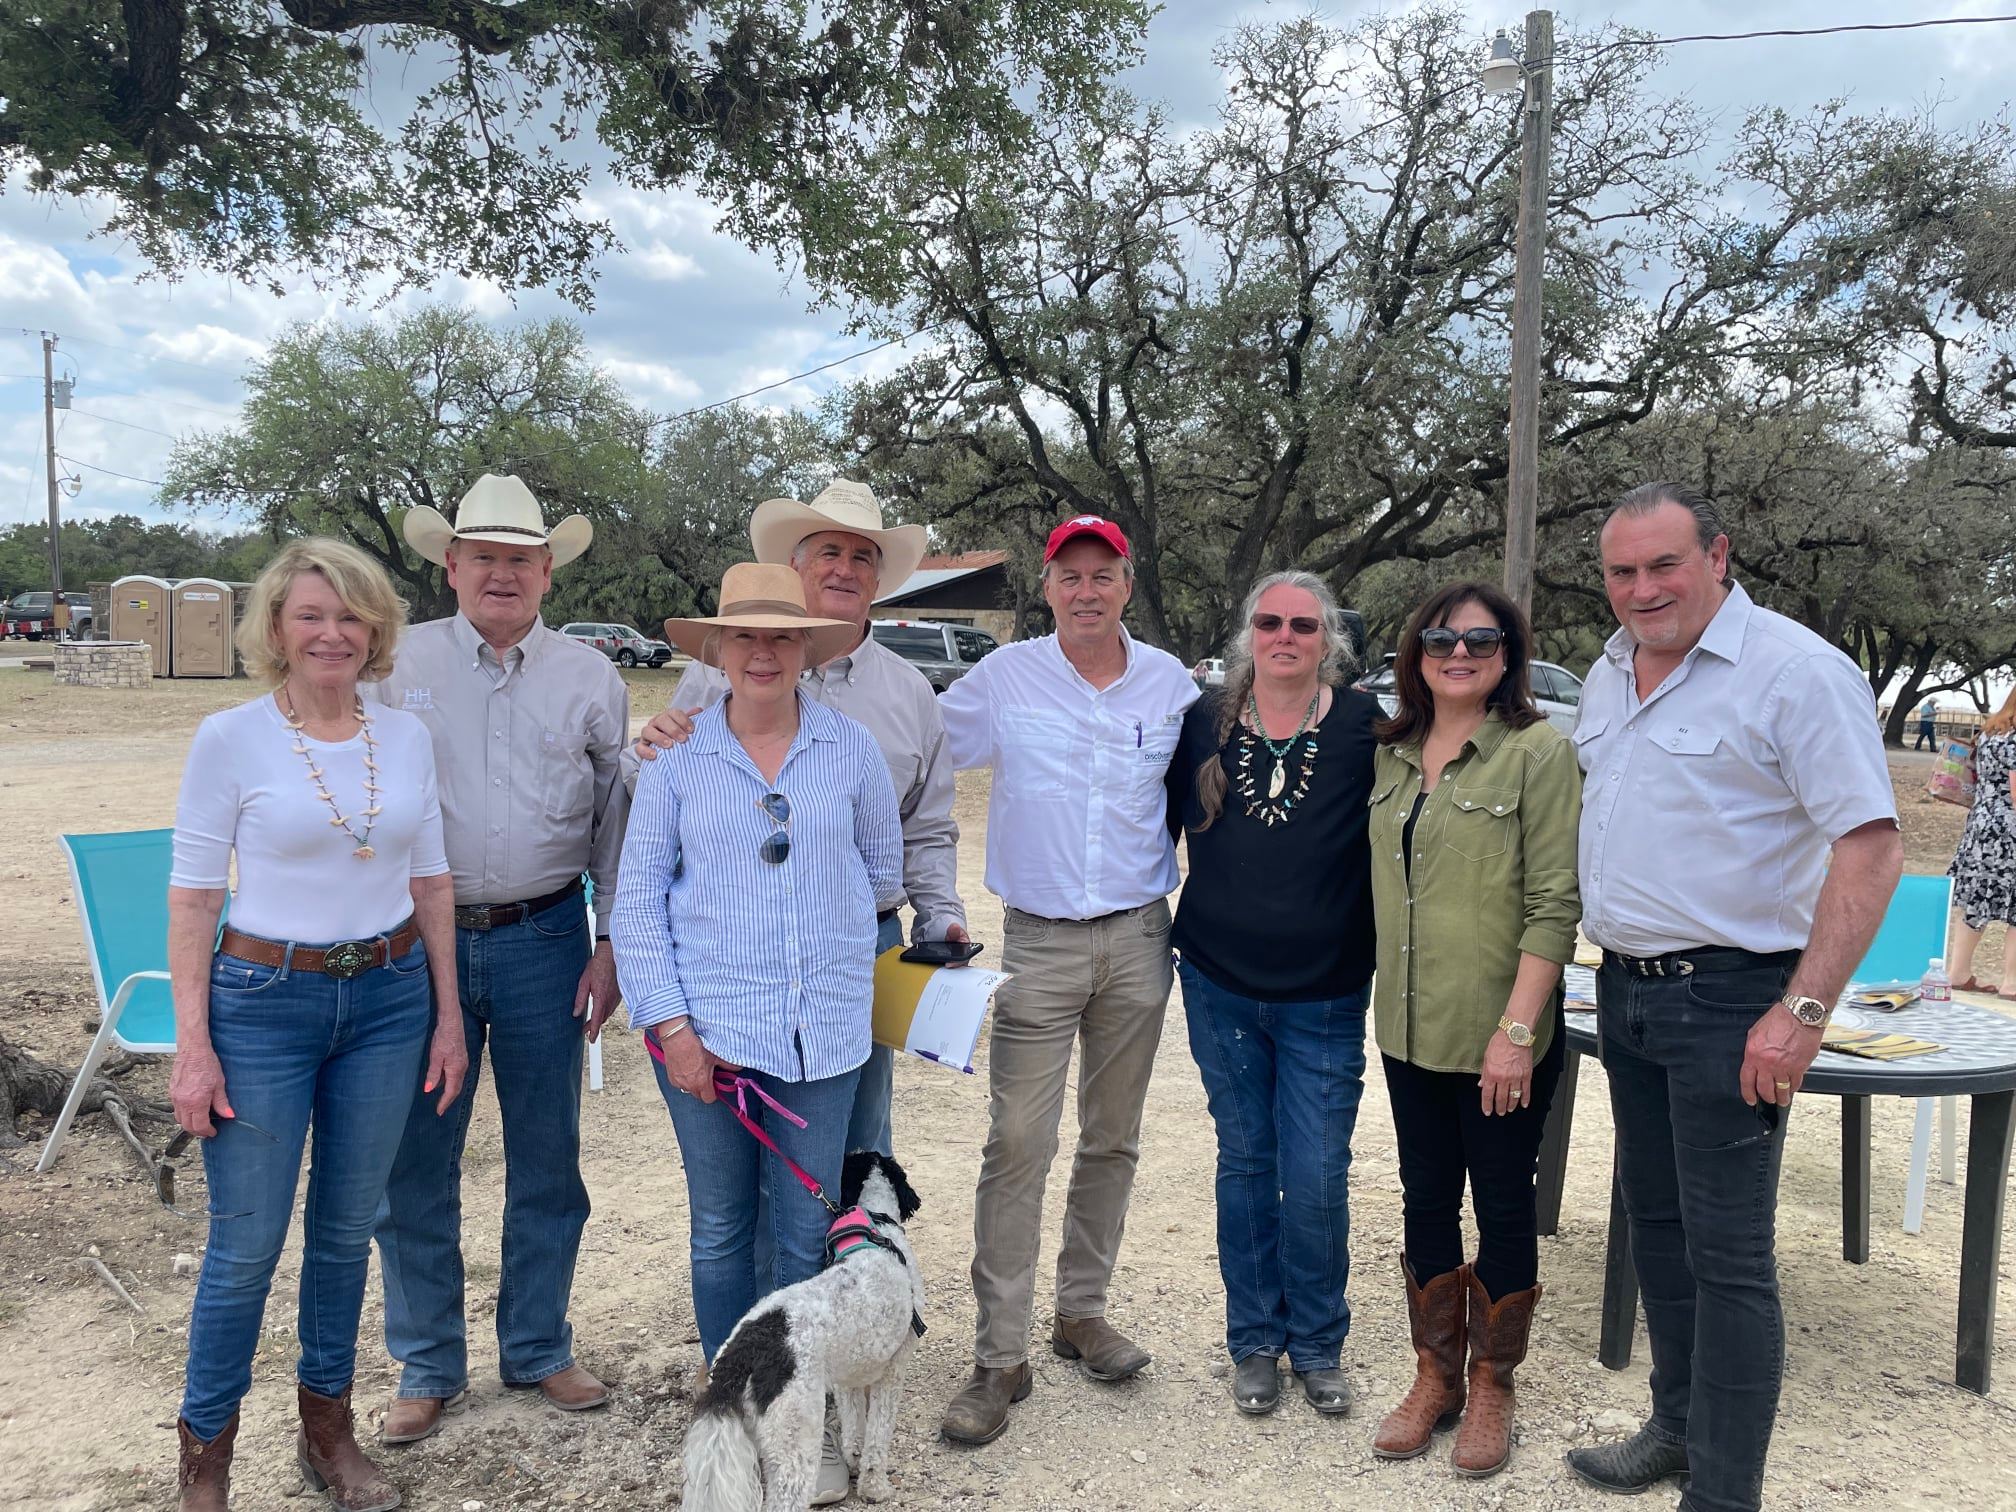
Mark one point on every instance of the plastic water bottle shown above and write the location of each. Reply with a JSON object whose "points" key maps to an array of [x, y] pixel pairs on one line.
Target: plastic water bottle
{"points": [[1935, 986]]}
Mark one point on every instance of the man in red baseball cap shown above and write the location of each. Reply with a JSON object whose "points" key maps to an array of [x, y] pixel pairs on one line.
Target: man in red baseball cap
{"points": [[1078, 728]]}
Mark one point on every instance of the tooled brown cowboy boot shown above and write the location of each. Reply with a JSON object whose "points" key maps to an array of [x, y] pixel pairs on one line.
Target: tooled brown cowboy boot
{"points": [[204, 1474], [1435, 1315], [1498, 1334], [330, 1460]]}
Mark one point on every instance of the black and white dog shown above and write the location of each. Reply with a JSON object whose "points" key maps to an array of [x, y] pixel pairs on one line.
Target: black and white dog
{"points": [[850, 1331]]}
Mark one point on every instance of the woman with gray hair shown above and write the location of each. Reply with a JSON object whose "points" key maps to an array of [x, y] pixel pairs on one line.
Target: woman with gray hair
{"points": [[1270, 783]]}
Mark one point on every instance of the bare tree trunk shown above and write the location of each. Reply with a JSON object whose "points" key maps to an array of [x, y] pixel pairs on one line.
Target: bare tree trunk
{"points": [[28, 1085]]}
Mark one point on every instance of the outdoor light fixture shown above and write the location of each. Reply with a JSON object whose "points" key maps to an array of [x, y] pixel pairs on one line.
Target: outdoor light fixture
{"points": [[1502, 74]]}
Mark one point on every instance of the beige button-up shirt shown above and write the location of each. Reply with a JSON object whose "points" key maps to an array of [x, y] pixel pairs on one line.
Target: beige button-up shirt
{"points": [[525, 750], [875, 687]]}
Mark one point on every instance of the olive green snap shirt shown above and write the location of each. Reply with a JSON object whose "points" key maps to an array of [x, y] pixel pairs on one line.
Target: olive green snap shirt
{"points": [[1493, 878]]}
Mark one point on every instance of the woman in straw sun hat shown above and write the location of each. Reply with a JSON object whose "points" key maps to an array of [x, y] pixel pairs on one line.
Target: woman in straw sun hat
{"points": [[745, 929]]}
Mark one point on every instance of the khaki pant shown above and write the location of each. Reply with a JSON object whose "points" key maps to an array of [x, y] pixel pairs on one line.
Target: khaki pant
{"points": [[1106, 984]]}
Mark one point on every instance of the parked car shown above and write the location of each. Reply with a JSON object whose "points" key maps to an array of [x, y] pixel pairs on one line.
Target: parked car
{"points": [[941, 652], [30, 614], [1209, 673], [1556, 690], [622, 644]]}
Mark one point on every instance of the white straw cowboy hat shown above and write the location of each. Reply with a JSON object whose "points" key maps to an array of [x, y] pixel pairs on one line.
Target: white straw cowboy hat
{"points": [[761, 596], [496, 508], [778, 525]]}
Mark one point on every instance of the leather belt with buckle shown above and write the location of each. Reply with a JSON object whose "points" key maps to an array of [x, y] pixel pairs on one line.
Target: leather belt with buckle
{"points": [[350, 959], [497, 915], [1685, 963]]}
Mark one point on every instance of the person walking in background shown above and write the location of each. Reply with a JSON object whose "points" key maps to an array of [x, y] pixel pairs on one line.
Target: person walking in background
{"points": [[1474, 801], [1983, 868], [1079, 727], [1928, 726], [327, 1004], [1270, 783], [1738, 847], [745, 932], [527, 728]]}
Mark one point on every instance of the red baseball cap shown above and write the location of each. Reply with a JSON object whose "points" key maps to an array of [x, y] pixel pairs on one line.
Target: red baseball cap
{"points": [[1085, 525]]}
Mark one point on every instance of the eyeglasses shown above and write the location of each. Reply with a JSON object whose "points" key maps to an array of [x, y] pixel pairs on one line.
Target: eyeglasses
{"points": [[777, 809], [1301, 624], [1440, 641]]}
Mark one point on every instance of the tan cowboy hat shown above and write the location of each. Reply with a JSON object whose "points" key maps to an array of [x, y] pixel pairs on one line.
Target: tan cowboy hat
{"points": [[761, 596], [497, 508], [778, 525]]}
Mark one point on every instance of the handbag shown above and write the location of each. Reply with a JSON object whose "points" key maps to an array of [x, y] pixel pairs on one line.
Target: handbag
{"points": [[1953, 775]]}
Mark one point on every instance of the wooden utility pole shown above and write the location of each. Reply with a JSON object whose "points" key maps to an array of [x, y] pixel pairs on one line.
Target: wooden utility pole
{"points": [[58, 618], [1522, 482]]}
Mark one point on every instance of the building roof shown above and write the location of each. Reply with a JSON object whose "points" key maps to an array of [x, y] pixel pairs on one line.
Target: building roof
{"points": [[937, 571]]}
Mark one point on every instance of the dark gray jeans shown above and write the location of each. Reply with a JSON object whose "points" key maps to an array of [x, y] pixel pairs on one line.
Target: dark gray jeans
{"points": [[1699, 1172]]}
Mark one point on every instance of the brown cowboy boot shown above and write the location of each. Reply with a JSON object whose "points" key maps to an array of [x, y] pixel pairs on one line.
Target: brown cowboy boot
{"points": [[330, 1460], [205, 1471], [1498, 1333], [1435, 1319]]}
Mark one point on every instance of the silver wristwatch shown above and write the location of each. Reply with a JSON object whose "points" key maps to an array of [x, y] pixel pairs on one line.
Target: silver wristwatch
{"points": [[1809, 1011]]}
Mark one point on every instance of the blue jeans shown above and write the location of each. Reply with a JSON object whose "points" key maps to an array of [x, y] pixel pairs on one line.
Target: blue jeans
{"points": [[727, 1171], [300, 1050], [1284, 1081], [868, 1125], [517, 987], [1698, 1168]]}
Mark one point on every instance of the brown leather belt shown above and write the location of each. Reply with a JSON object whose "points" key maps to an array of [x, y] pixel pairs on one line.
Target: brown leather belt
{"points": [[352, 958], [497, 915]]}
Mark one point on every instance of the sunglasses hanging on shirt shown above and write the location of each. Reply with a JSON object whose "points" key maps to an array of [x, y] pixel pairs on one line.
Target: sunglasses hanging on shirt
{"points": [[777, 809], [1440, 641]]}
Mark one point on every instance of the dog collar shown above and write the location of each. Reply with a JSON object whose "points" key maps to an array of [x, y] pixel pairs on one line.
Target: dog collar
{"points": [[854, 1233]]}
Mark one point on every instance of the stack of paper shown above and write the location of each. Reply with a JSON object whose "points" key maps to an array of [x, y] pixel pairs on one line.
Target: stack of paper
{"points": [[1874, 1044], [932, 1012]]}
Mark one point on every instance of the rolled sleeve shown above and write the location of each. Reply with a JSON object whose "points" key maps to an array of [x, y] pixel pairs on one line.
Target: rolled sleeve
{"points": [[1822, 719], [931, 838], [608, 734], [641, 926], [1549, 811]]}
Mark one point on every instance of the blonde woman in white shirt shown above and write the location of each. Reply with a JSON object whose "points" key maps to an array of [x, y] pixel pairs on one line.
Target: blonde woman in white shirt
{"points": [[331, 990]]}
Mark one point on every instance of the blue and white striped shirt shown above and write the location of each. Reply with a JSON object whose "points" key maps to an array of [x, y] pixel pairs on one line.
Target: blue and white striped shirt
{"points": [[774, 963]]}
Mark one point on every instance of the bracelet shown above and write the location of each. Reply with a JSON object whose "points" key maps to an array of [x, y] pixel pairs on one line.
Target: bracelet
{"points": [[667, 1028]]}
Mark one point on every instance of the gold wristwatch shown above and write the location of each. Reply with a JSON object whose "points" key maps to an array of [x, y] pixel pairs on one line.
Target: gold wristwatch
{"points": [[1516, 1032]]}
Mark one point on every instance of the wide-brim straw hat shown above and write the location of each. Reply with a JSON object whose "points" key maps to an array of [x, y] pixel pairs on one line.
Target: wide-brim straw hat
{"points": [[761, 596], [778, 525], [497, 508]]}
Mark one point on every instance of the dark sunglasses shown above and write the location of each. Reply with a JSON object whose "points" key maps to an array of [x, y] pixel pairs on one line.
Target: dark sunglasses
{"points": [[1301, 624], [777, 808], [1441, 641]]}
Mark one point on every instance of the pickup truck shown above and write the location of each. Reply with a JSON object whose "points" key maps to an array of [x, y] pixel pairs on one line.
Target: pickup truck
{"points": [[30, 615], [941, 652]]}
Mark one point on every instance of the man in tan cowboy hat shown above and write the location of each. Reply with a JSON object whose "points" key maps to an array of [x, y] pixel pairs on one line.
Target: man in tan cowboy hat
{"points": [[528, 727], [843, 555]]}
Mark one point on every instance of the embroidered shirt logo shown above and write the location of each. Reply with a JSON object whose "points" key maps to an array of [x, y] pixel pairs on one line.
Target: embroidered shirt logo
{"points": [[419, 698]]}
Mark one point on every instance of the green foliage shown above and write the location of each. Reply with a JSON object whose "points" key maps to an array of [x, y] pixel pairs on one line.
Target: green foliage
{"points": [[99, 551], [236, 134]]}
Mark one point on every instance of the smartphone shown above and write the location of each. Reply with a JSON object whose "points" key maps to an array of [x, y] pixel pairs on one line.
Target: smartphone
{"points": [[941, 952]]}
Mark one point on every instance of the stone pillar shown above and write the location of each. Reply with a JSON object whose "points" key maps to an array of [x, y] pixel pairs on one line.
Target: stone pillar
{"points": [[104, 664]]}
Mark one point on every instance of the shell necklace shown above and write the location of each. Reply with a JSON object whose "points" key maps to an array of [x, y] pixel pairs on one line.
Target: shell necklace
{"points": [[1279, 750], [364, 852]]}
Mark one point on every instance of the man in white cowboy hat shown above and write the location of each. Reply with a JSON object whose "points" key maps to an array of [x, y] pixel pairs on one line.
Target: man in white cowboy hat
{"points": [[528, 727], [843, 554]]}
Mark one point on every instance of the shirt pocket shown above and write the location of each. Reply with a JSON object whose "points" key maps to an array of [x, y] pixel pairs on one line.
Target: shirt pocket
{"points": [[567, 776], [1382, 823], [1036, 755], [1148, 786], [1585, 736], [1481, 821]]}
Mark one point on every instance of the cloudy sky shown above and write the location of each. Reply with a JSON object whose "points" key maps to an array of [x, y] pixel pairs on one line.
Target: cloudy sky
{"points": [[686, 317]]}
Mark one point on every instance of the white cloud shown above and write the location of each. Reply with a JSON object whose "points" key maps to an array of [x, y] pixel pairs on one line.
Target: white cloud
{"points": [[660, 379], [663, 265]]}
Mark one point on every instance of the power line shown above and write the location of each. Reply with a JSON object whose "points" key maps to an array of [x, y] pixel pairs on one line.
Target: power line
{"points": [[1807, 31], [88, 415], [74, 462]]}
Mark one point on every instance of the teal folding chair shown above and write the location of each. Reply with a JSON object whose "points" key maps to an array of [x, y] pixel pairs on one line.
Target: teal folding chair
{"points": [[1912, 933], [120, 882]]}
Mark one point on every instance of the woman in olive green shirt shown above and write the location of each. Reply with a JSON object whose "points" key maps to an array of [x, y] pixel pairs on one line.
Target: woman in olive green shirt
{"points": [[1475, 801]]}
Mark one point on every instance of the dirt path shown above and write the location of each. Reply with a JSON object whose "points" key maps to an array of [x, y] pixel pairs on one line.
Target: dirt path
{"points": [[88, 1390]]}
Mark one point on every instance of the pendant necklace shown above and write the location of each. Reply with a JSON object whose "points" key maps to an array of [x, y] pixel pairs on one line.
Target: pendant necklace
{"points": [[364, 851], [1280, 751]]}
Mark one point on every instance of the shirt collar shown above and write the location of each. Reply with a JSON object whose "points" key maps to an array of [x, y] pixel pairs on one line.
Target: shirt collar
{"points": [[1126, 645], [472, 645], [1723, 637], [711, 734]]}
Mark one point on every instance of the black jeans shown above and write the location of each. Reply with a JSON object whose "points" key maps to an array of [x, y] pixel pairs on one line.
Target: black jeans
{"points": [[1699, 1171], [1444, 1136]]}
